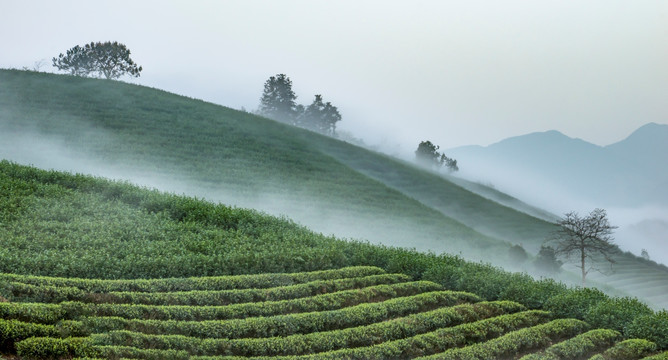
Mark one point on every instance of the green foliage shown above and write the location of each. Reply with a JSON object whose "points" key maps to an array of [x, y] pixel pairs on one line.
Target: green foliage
{"points": [[516, 342], [578, 347], [278, 99], [361, 336], [283, 325], [575, 303], [32, 312], [53, 348], [653, 327], [532, 294], [12, 331], [109, 59], [630, 349], [202, 148], [427, 154], [616, 313], [149, 234], [323, 302], [661, 356], [255, 281], [438, 340], [319, 116], [25, 292]]}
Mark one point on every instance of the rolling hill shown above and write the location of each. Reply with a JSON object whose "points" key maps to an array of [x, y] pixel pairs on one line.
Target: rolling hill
{"points": [[187, 146], [173, 277]]}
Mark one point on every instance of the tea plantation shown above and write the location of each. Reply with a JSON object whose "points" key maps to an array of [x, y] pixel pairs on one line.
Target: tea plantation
{"points": [[93, 268]]}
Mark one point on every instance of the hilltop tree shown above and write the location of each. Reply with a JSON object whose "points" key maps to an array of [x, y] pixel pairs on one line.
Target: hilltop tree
{"points": [[109, 59], [76, 61], [427, 155], [278, 100], [588, 239], [320, 116]]}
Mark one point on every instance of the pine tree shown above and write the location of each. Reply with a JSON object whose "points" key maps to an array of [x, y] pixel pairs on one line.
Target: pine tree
{"points": [[106, 59], [278, 100], [320, 116]]}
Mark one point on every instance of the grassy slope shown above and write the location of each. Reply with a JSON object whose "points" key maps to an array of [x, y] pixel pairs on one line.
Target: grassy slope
{"points": [[58, 224], [202, 149], [239, 158]]}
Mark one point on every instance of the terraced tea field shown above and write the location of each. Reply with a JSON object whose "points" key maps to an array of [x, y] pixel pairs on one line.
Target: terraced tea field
{"points": [[354, 313]]}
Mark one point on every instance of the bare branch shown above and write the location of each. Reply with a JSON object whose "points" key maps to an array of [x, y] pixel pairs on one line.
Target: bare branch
{"points": [[588, 238]]}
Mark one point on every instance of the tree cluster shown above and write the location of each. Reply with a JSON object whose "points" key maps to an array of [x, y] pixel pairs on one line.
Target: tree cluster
{"points": [[109, 59], [278, 102], [427, 154]]}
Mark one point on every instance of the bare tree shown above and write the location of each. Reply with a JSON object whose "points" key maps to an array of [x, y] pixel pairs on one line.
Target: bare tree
{"points": [[588, 239]]}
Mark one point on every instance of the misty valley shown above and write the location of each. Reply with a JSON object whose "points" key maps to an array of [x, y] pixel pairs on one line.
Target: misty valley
{"points": [[136, 223]]}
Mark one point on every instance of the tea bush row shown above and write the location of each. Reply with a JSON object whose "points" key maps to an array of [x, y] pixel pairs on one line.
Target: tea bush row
{"points": [[230, 282], [429, 343], [578, 347], [52, 313], [283, 325], [361, 336], [49, 293], [516, 342], [628, 349]]}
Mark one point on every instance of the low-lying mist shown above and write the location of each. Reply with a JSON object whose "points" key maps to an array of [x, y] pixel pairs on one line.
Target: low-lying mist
{"points": [[639, 227], [51, 152]]}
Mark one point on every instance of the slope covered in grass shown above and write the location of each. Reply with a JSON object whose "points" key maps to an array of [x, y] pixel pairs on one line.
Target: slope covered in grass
{"points": [[188, 146], [184, 145], [105, 269]]}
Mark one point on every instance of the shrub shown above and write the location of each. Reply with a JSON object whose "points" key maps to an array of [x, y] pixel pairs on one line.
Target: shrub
{"points": [[617, 313], [651, 327], [532, 294], [575, 303], [53, 348], [630, 349]]}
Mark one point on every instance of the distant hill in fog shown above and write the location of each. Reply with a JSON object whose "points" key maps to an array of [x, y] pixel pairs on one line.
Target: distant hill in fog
{"points": [[631, 172]]}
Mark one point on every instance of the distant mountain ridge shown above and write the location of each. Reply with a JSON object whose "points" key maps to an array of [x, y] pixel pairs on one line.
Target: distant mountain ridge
{"points": [[630, 172]]}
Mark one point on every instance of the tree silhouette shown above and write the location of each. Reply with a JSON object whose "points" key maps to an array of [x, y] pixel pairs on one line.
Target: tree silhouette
{"points": [[278, 100], [588, 239], [109, 59], [427, 155], [320, 116]]}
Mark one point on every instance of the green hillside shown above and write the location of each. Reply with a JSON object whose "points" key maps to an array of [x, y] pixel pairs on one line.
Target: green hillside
{"points": [[187, 146], [202, 149], [100, 269]]}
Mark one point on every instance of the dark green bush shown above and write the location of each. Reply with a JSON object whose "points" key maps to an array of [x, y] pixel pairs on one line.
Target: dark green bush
{"points": [[616, 313], [54, 348], [14, 330], [652, 327], [630, 349], [574, 303], [533, 294]]}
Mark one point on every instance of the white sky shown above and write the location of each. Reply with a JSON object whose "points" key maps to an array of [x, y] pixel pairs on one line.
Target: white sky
{"points": [[454, 72]]}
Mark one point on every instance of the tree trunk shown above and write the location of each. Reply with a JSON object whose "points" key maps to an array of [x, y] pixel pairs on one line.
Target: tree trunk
{"points": [[584, 270]]}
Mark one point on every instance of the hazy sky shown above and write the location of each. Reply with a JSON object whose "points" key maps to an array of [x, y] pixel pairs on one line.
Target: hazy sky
{"points": [[455, 72]]}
